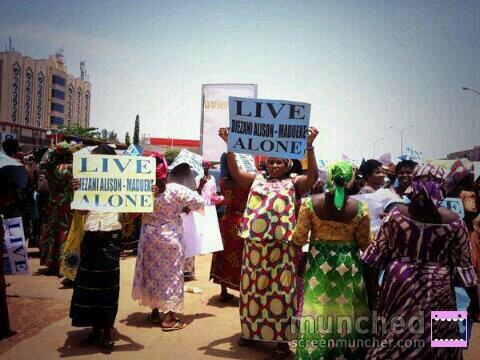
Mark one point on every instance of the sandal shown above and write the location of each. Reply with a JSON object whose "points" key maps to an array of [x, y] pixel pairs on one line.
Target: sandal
{"points": [[91, 339], [107, 346], [154, 321], [281, 353], [226, 298], [179, 324], [244, 342]]}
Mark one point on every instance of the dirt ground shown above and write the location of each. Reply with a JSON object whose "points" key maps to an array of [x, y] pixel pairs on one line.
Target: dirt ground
{"points": [[39, 305]]}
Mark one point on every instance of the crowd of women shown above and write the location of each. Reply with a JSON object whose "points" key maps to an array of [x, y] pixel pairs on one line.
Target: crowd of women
{"points": [[409, 267]]}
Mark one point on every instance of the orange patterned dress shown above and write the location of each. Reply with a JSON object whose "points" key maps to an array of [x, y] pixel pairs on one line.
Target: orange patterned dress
{"points": [[268, 285], [227, 264]]}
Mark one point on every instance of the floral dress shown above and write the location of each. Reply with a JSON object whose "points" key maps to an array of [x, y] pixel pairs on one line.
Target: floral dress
{"points": [[55, 230], [227, 264], [158, 281]]}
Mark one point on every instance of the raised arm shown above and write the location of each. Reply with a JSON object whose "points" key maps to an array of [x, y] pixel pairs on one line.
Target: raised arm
{"points": [[242, 178], [305, 182]]}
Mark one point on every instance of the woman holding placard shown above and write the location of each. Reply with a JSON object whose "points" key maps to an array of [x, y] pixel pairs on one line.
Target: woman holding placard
{"points": [[268, 285], [159, 280]]}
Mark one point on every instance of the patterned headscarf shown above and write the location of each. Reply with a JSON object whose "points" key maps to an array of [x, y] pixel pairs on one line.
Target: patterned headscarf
{"points": [[430, 172], [206, 164], [161, 170], [339, 175], [427, 181], [460, 170]]}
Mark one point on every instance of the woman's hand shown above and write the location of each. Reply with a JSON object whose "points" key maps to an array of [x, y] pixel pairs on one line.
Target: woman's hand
{"points": [[75, 184], [223, 133], [155, 190], [202, 182], [312, 134]]}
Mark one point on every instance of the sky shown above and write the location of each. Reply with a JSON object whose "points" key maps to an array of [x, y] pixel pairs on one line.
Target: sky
{"points": [[363, 65]]}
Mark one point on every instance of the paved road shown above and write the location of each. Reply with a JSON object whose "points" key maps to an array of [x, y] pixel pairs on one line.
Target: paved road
{"points": [[39, 311]]}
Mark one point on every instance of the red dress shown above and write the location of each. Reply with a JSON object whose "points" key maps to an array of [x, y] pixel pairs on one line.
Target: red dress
{"points": [[227, 264]]}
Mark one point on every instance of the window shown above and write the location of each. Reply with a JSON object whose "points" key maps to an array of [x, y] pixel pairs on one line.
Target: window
{"points": [[69, 104], [58, 94], [40, 83], [87, 108], [56, 120], [58, 80], [28, 96], [15, 91], [57, 107], [79, 99]]}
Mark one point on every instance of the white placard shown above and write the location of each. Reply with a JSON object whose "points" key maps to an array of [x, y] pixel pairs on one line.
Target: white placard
{"points": [[215, 115], [190, 158], [201, 232], [15, 255]]}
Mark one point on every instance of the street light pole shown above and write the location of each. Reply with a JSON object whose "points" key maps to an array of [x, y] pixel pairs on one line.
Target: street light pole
{"points": [[401, 131], [374, 143], [469, 89]]}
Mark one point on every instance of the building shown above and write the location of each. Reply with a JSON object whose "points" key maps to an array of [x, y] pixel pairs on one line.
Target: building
{"points": [[161, 145], [37, 95], [471, 154]]}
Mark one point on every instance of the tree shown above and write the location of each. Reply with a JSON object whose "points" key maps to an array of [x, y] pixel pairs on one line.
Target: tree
{"points": [[104, 134], [171, 155], [127, 139], [112, 136], [136, 131]]}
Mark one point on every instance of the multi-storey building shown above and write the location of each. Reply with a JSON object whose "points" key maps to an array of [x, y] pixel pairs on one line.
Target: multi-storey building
{"points": [[37, 95]]}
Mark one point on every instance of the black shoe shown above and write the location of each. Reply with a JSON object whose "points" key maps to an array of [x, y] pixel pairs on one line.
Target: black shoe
{"points": [[91, 339], [107, 346]]}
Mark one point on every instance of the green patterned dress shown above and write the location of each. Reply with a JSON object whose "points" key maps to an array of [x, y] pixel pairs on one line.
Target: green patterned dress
{"points": [[334, 286]]}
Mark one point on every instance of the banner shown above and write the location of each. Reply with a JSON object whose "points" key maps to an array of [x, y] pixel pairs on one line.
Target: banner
{"points": [[455, 205], [134, 150], [15, 255], [245, 162], [215, 115], [201, 232], [190, 158], [114, 183], [276, 128]]}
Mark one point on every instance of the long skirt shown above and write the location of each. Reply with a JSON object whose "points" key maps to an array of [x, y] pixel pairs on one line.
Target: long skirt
{"points": [[4, 322], [70, 259], [158, 281], [268, 291], [54, 235], [97, 285], [334, 289], [227, 264]]}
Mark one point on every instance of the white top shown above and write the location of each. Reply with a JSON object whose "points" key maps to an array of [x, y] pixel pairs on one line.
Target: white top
{"points": [[102, 221]]}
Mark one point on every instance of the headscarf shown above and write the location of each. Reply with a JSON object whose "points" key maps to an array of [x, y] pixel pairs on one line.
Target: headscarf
{"points": [[206, 164], [460, 170], [161, 170], [430, 172], [426, 182], [339, 175]]}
